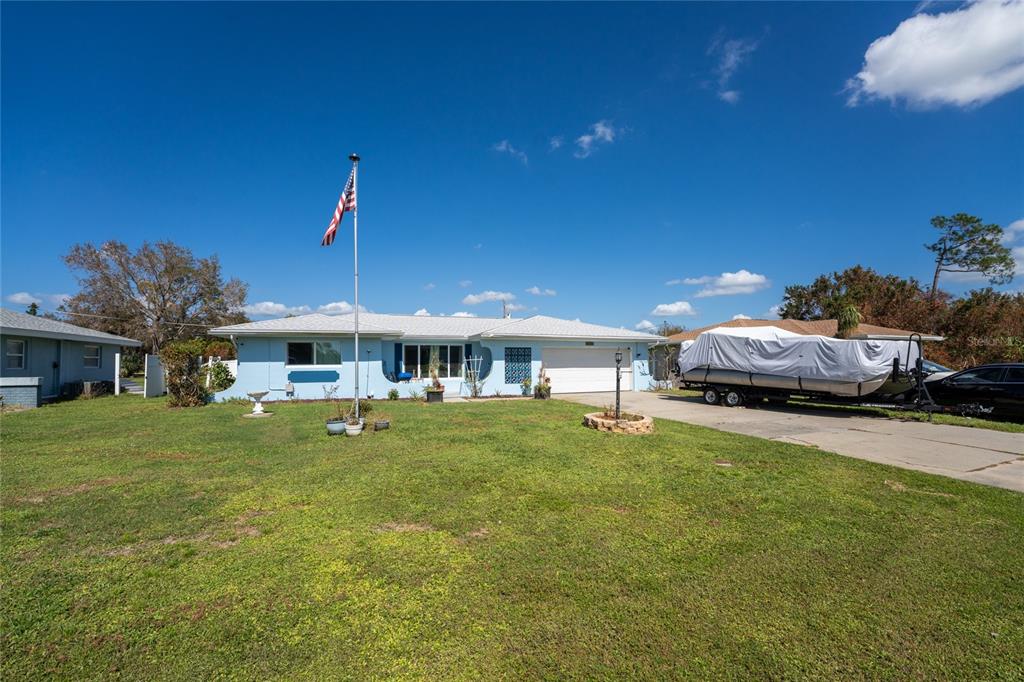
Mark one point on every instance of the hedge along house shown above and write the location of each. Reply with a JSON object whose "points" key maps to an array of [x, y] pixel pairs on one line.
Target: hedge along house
{"points": [[41, 357], [297, 357]]}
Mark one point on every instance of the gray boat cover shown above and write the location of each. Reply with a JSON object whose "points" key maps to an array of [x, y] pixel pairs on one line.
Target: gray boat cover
{"points": [[770, 350]]}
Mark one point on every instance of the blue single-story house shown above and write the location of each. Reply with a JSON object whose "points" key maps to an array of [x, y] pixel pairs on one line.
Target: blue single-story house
{"points": [[296, 357], [41, 356]]}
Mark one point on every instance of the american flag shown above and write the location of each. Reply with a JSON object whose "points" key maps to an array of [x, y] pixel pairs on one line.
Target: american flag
{"points": [[347, 202]]}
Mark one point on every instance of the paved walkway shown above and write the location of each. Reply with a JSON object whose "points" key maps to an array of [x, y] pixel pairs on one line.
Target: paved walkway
{"points": [[980, 455]]}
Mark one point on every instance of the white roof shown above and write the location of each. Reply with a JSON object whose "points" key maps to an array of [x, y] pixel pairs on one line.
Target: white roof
{"points": [[764, 333], [23, 324], [435, 326]]}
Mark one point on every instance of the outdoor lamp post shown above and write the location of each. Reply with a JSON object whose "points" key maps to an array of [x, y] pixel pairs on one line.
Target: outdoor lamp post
{"points": [[618, 380]]}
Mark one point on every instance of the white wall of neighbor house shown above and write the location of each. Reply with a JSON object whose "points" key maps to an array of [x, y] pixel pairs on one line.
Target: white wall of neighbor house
{"points": [[264, 365]]}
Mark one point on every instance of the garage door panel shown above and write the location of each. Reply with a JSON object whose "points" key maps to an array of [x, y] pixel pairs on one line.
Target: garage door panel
{"points": [[558, 358], [582, 370]]}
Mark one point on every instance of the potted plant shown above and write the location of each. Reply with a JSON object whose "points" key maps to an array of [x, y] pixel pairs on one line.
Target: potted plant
{"points": [[335, 422], [527, 382], [353, 426], [381, 422], [542, 391], [435, 392]]}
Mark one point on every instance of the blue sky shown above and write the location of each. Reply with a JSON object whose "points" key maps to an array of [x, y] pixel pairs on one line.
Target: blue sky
{"points": [[595, 152]]}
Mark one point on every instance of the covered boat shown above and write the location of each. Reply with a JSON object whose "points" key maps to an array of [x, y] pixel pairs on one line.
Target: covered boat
{"points": [[768, 360]]}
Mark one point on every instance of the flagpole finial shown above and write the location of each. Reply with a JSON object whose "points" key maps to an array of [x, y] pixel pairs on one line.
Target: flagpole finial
{"points": [[354, 158]]}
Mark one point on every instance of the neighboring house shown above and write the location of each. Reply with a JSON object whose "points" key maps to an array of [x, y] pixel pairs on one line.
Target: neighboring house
{"points": [[296, 357], [40, 356], [811, 328]]}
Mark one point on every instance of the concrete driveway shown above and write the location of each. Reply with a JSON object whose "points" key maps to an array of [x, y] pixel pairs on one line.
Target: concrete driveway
{"points": [[979, 455]]}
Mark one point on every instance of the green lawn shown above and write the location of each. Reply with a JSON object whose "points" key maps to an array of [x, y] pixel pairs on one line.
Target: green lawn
{"points": [[483, 541]]}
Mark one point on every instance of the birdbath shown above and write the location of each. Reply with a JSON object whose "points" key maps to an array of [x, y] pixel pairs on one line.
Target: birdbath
{"points": [[257, 396]]}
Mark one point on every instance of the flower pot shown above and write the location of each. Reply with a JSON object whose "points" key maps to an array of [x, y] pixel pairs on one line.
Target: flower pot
{"points": [[435, 396], [353, 429], [381, 424], [335, 428]]}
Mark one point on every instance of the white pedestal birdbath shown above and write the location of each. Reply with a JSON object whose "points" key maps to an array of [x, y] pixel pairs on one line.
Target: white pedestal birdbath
{"points": [[257, 396]]}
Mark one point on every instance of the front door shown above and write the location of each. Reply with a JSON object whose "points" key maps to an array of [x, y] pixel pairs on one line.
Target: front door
{"points": [[46, 360]]}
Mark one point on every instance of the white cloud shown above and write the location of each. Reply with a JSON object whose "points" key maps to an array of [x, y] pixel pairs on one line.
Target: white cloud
{"points": [[429, 286], [673, 282], [731, 54], [338, 308], [273, 309], [1013, 231], [537, 291], [729, 283], [775, 311], [487, 296], [506, 147], [600, 133], [422, 312], [645, 326], [25, 298], [463, 313], [556, 142], [741, 316], [730, 96], [465, 283], [673, 309], [964, 57], [513, 307]]}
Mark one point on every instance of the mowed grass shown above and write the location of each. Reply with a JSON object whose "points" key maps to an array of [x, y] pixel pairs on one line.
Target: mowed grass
{"points": [[484, 541]]}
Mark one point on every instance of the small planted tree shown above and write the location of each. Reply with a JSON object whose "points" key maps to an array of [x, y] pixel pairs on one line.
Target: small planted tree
{"points": [[848, 319], [182, 361]]}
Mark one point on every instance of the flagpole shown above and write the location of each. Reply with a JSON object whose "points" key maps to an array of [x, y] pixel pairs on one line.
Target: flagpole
{"points": [[354, 158]]}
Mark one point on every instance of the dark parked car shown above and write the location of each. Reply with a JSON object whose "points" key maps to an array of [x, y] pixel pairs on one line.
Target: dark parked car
{"points": [[995, 389]]}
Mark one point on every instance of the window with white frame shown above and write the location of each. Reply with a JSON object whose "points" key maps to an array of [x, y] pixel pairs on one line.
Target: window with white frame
{"points": [[314, 353], [15, 354], [91, 356], [416, 360]]}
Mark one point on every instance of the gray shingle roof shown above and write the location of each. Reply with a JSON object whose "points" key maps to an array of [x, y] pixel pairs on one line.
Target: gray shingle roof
{"points": [[436, 326], [12, 322]]}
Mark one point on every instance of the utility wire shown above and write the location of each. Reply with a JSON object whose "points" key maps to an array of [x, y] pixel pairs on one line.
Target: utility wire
{"points": [[120, 319]]}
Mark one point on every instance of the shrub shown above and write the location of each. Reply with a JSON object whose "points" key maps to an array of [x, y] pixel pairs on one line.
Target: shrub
{"points": [[182, 361], [131, 362], [393, 394], [220, 377], [365, 408], [219, 348]]}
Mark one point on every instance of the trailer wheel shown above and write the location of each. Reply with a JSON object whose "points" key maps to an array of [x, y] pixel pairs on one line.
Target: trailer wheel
{"points": [[732, 398], [711, 395]]}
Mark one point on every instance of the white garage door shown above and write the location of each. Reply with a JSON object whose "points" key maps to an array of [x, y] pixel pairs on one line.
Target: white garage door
{"points": [[582, 370]]}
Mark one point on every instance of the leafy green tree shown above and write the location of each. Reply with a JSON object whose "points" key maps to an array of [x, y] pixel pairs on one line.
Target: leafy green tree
{"points": [[885, 300], [968, 245], [33, 308]]}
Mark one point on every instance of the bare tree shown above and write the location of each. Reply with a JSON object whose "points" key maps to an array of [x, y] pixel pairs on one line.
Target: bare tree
{"points": [[158, 293]]}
